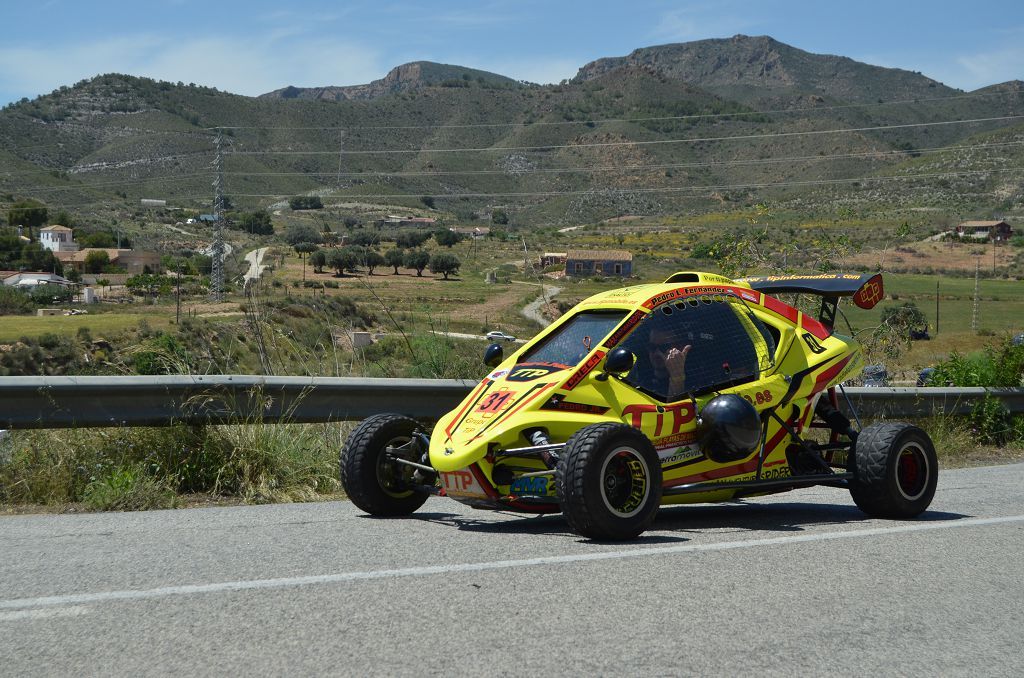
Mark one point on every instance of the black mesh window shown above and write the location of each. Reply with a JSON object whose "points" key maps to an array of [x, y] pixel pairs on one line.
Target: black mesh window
{"points": [[728, 346], [574, 340]]}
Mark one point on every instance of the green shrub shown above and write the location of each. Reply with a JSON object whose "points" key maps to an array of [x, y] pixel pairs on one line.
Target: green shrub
{"points": [[997, 366], [128, 489], [991, 422], [162, 354], [30, 357], [14, 302], [1000, 366]]}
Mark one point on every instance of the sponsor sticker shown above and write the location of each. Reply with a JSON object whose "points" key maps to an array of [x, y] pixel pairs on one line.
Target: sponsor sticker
{"points": [[673, 454], [559, 403], [624, 329], [870, 293], [537, 485], [584, 370], [531, 371], [461, 483]]}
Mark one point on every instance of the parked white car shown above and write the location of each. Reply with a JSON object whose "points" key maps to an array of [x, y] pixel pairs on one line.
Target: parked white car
{"points": [[500, 336]]}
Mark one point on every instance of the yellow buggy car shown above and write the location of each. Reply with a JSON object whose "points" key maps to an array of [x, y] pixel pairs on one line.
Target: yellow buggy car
{"points": [[698, 389]]}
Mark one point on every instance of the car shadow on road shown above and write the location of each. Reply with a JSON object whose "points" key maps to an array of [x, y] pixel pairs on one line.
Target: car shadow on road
{"points": [[738, 516], [491, 522], [742, 516], [494, 522]]}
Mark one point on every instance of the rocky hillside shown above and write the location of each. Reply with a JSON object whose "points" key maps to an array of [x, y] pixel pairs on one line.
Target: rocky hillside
{"points": [[405, 78], [688, 128], [751, 69]]}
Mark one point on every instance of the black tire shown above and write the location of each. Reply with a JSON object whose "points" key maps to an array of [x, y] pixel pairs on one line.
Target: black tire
{"points": [[374, 483], [609, 482], [895, 471]]}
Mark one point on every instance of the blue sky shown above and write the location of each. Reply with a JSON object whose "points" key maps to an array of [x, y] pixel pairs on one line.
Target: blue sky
{"points": [[251, 46]]}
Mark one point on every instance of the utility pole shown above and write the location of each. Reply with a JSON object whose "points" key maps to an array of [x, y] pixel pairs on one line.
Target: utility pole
{"points": [[936, 308], [177, 294], [217, 249], [341, 151], [977, 275]]}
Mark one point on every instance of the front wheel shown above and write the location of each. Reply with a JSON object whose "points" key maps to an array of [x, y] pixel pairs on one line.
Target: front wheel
{"points": [[373, 480], [896, 471], [609, 482]]}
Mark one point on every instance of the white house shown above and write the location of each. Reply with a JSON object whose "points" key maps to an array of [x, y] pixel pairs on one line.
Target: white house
{"points": [[58, 239]]}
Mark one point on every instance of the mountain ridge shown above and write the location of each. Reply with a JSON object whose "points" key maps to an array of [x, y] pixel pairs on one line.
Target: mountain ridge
{"points": [[744, 68], [402, 78], [684, 127]]}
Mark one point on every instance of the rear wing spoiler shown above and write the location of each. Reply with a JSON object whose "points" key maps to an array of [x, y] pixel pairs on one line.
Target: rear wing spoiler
{"points": [[866, 290]]}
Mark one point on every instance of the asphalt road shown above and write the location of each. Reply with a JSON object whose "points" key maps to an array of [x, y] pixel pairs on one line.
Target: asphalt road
{"points": [[796, 584]]}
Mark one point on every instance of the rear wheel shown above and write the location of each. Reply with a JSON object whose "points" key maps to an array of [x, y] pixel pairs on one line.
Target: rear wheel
{"points": [[375, 482], [896, 471], [609, 482]]}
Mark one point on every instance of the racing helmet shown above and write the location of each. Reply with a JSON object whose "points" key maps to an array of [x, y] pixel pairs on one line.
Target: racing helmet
{"points": [[729, 428]]}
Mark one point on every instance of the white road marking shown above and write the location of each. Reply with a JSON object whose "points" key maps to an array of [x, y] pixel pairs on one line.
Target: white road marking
{"points": [[44, 613], [457, 568]]}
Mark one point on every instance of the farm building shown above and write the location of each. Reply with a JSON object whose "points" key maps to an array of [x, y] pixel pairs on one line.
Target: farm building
{"points": [[999, 231], [398, 221], [134, 261], [599, 262], [552, 258]]}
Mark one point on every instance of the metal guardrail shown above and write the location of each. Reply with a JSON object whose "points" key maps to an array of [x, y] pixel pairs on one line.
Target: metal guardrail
{"points": [[917, 403], [67, 402]]}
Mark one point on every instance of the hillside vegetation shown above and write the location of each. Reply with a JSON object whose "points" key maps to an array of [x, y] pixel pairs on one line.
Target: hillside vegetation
{"points": [[687, 128]]}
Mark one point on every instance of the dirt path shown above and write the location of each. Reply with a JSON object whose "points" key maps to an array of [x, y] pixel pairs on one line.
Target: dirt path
{"points": [[256, 267], [533, 309]]}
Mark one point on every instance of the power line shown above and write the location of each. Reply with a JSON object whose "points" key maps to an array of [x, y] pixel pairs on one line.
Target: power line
{"points": [[599, 190], [650, 142], [549, 123], [79, 169], [566, 170], [667, 189], [598, 121], [113, 164], [619, 168], [113, 183]]}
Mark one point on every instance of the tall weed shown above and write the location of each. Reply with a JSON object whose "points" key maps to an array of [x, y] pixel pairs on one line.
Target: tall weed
{"points": [[134, 468]]}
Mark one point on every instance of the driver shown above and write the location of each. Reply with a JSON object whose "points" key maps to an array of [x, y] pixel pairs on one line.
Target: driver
{"points": [[667, 362]]}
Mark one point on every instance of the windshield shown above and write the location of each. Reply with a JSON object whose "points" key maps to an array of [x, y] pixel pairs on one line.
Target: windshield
{"points": [[571, 342], [723, 343]]}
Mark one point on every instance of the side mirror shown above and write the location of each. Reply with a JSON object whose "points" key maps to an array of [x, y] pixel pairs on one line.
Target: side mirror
{"points": [[620, 360], [493, 355]]}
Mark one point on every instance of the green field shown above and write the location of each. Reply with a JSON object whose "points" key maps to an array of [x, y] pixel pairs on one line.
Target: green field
{"points": [[13, 327], [1000, 303]]}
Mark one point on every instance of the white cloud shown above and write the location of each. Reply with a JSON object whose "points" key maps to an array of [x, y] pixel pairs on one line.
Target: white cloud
{"points": [[539, 70], [244, 67], [963, 71], [235, 65], [990, 68], [676, 26], [698, 21]]}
